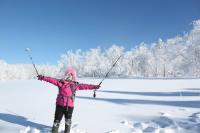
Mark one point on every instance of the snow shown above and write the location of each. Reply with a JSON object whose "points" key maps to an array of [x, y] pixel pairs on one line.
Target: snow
{"points": [[121, 106]]}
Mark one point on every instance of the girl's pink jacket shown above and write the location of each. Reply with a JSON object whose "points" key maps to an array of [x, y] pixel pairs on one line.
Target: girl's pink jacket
{"points": [[65, 93]]}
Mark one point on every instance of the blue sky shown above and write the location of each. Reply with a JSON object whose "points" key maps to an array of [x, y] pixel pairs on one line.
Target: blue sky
{"points": [[52, 27]]}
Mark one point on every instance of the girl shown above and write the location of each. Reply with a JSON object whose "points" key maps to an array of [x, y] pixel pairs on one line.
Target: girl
{"points": [[65, 99]]}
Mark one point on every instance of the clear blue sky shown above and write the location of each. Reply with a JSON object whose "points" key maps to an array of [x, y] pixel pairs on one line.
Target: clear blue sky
{"points": [[51, 27]]}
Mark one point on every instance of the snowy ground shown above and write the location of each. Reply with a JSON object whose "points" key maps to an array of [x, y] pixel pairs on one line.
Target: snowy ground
{"points": [[121, 106]]}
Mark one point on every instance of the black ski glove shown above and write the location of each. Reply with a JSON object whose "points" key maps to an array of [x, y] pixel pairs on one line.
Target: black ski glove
{"points": [[97, 87], [40, 77]]}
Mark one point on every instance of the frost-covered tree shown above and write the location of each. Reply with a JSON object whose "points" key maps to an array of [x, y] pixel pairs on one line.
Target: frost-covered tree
{"points": [[171, 58], [112, 54], [71, 59]]}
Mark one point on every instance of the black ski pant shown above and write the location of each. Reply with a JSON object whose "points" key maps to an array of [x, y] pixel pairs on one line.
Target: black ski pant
{"points": [[60, 111]]}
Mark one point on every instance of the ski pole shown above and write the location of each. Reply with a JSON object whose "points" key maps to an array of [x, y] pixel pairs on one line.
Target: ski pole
{"points": [[94, 95], [30, 57]]}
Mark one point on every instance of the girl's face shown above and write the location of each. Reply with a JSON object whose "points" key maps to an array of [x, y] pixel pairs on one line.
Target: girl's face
{"points": [[69, 77]]}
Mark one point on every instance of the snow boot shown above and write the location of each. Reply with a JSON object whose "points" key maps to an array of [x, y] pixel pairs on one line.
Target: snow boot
{"points": [[55, 127], [67, 125]]}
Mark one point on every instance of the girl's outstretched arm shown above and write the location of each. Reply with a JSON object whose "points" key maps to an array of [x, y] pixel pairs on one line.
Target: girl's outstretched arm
{"points": [[87, 87], [49, 79]]}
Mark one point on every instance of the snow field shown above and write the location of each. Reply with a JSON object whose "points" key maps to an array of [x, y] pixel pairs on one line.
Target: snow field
{"points": [[121, 106]]}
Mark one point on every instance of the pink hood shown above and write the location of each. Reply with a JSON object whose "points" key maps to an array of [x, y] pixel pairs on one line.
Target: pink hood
{"points": [[71, 71]]}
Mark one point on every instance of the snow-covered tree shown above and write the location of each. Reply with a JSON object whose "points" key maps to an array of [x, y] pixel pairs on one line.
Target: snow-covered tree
{"points": [[174, 57]]}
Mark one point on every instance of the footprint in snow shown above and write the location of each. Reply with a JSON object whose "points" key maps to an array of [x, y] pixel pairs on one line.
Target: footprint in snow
{"points": [[151, 130], [164, 114], [164, 121], [195, 117], [30, 130], [127, 123], [114, 131]]}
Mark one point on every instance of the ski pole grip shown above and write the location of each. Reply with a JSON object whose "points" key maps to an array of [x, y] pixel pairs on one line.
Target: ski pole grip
{"points": [[94, 95]]}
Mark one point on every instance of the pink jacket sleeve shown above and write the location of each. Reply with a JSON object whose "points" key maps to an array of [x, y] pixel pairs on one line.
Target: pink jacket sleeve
{"points": [[86, 87], [51, 80]]}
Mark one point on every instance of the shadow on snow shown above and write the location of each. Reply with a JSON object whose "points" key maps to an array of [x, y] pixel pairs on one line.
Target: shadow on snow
{"points": [[20, 120], [192, 89], [166, 94], [190, 104]]}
